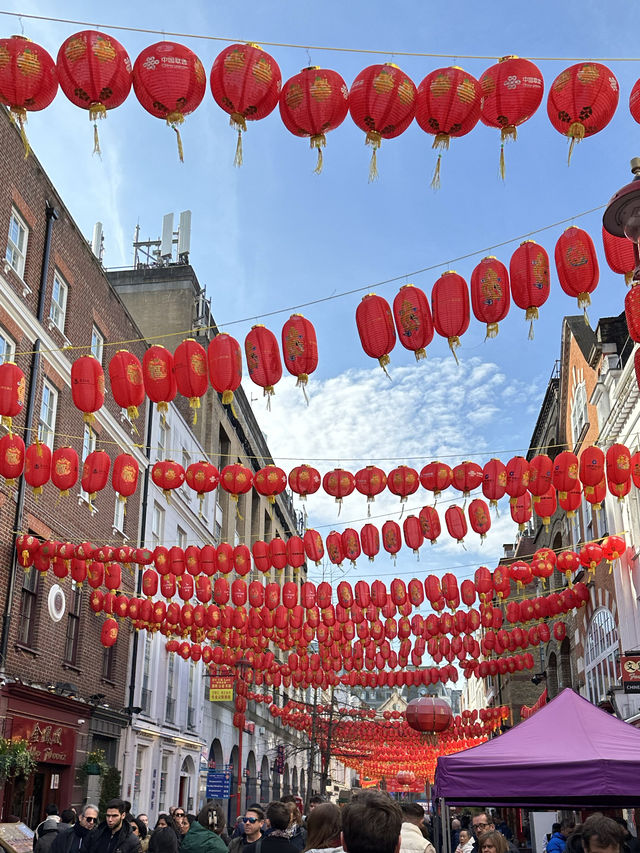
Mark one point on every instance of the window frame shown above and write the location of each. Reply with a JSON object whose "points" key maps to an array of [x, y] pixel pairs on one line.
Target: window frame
{"points": [[9, 347], [58, 311], [162, 441], [579, 412], [119, 515], [600, 660], [157, 536], [44, 424], [109, 663], [89, 440], [12, 248], [98, 352], [72, 633], [29, 608]]}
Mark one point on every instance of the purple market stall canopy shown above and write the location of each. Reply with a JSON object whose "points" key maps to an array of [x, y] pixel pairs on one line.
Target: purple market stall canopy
{"points": [[569, 753]]}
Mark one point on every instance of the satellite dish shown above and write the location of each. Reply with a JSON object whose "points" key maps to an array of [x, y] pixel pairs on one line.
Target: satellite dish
{"points": [[56, 602]]}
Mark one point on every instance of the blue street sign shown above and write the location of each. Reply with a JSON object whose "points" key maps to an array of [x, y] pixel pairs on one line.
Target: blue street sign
{"points": [[218, 785]]}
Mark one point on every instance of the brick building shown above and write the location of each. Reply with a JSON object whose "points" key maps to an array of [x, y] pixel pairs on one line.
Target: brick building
{"points": [[60, 688]]}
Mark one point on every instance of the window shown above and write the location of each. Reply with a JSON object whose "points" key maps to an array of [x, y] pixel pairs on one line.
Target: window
{"points": [[7, 347], [58, 301], [157, 525], [600, 655], [28, 607], [48, 408], [145, 699], [186, 458], [163, 442], [578, 411], [97, 343], [109, 663], [181, 538], [164, 773], [88, 446], [73, 625], [17, 242], [118, 515], [170, 709], [191, 711]]}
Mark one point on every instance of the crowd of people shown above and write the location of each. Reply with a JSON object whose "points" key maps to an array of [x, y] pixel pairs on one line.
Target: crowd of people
{"points": [[372, 822]]}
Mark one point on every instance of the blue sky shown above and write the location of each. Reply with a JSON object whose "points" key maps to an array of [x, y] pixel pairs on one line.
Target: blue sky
{"points": [[272, 234]]}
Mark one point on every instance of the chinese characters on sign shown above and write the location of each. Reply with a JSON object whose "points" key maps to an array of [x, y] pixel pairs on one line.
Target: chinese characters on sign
{"points": [[50, 743], [630, 667], [221, 688]]}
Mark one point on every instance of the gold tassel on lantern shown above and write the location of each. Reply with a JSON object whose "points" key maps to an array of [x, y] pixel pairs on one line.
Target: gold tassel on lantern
{"points": [[194, 403], [531, 315], [374, 139], [303, 378], [441, 141], [508, 132], [383, 361], [97, 111], [163, 408], [123, 501], [435, 180], [227, 400], [18, 116], [238, 121], [583, 301], [576, 133], [318, 141], [492, 331], [420, 354], [454, 343], [173, 120]]}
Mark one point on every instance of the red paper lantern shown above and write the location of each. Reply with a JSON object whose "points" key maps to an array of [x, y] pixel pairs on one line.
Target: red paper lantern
{"points": [[64, 469], [582, 101], [245, 82], [109, 633], [87, 386], [618, 462], [37, 467], [263, 359], [428, 714], [529, 271], [577, 265], [351, 545], [479, 517], [613, 547], [517, 477], [521, 510], [335, 548], [158, 376], [632, 312], [450, 305], [403, 481], [313, 546], [12, 453], [127, 385], [456, 523], [190, 370], [591, 471], [124, 477], [339, 484], [295, 552], [270, 482], [540, 473], [391, 538], [224, 358], [304, 480], [447, 105], [560, 631], [620, 490], [413, 535], [28, 79], [571, 500], [466, 477], [494, 481], [382, 103], [312, 103], [299, 348], [370, 541], [490, 299], [169, 81], [564, 476], [370, 481], [167, 475], [202, 477], [413, 319], [261, 558], [430, 522], [94, 72], [375, 327], [436, 477], [12, 381], [95, 473], [546, 505], [595, 494], [619, 254], [236, 480], [512, 91]]}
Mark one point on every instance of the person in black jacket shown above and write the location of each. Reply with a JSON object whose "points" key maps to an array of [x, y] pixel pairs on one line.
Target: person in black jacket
{"points": [[73, 839], [276, 841], [114, 834]]}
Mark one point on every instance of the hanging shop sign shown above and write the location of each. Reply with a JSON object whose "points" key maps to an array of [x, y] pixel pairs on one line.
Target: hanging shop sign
{"points": [[630, 667], [51, 744], [221, 688]]}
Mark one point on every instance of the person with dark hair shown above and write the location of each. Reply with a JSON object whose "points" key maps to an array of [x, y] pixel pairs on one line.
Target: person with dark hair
{"points": [[139, 828], [287, 798], [371, 823], [276, 840], [465, 841], [630, 841], [48, 830], [493, 842], [252, 822], [67, 817], [324, 826], [602, 834], [114, 833], [74, 838], [203, 835], [296, 832], [558, 840], [315, 800], [52, 815], [164, 838], [411, 838]]}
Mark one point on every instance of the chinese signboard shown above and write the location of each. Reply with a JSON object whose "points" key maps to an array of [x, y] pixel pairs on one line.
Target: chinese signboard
{"points": [[218, 784], [221, 688], [279, 763], [50, 743], [630, 667]]}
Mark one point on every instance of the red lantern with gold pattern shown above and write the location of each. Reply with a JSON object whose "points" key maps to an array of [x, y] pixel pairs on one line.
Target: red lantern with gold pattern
{"points": [[304, 480], [158, 376], [577, 265], [494, 481], [618, 464], [632, 312], [620, 490], [436, 477], [413, 535], [521, 573], [370, 541], [450, 306], [202, 477], [169, 81], [94, 72], [413, 319], [263, 359], [64, 469], [127, 385], [124, 477], [391, 538], [261, 558], [190, 370], [569, 501], [517, 477], [87, 386], [224, 358], [490, 297], [529, 272], [37, 467], [592, 461], [466, 477], [582, 100], [595, 494], [521, 510], [245, 82], [236, 480], [313, 546], [95, 473], [370, 481], [12, 384], [403, 481], [564, 476], [456, 523], [312, 103], [382, 103], [546, 505], [479, 517], [295, 552], [375, 327], [28, 79], [351, 544], [613, 547], [12, 454], [299, 348], [430, 522], [512, 91], [447, 105], [109, 633], [618, 252], [540, 474], [335, 549], [167, 475], [339, 484], [270, 481]]}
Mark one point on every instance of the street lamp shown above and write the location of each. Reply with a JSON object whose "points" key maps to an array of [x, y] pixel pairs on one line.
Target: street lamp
{"points": [[622, 216]]}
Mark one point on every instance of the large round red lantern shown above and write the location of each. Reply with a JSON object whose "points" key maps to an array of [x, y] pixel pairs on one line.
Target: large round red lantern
{"points": [[413, 319], [12, 387], [109, 633], [512, 91], [382, 103], [95, 473], [520, 508], [370, 481], [245, 82], [529, 271], [236, 480], [582, 100], [202, 477], [263, 359], [450, 305], [494, 481], [429, 714], [127, 385], [618, 464], [64, 469], [490, 297], [270, 482], [304, 480], [632, 312], [545, 506], [124, 477], [619, 254], [167, 475], [190, 370], [224, 358], [299, 348], [456, 523], [466, 477], [158, 376], [28, 79], [169, 81], [87, 386], [565, 473], [592, 461], [339, 484], [12, 453], [577, 265], [436, 477], [447, 105], [94, 72], [540, 474], [403, 481], [375, 327], [312, 103]]}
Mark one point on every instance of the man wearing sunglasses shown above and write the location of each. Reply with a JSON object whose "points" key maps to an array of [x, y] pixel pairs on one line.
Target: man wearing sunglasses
{"points": [[73, 839], [253, 821]]}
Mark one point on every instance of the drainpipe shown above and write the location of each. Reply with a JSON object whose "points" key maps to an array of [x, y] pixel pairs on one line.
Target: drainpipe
{"points": [[51, 216]]}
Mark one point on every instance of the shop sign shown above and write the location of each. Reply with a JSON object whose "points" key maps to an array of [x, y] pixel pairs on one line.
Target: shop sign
{"points": [[50, 743], [221, 688], [630, 667], [279, 762]]}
